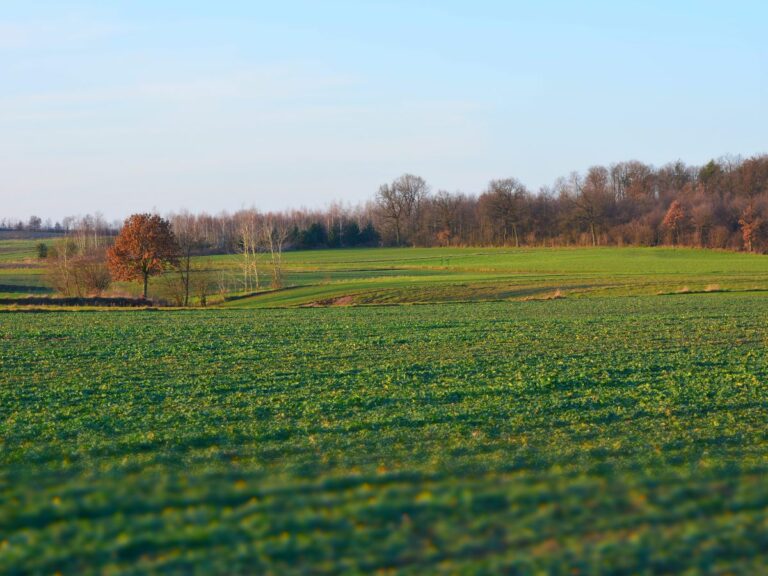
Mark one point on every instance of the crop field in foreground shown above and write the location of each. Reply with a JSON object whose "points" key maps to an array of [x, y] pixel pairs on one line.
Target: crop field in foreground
{"points": [[613, 435]]}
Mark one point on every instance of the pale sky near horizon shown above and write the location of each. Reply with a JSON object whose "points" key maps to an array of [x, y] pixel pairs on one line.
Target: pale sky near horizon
{"points": [[133, 106]]}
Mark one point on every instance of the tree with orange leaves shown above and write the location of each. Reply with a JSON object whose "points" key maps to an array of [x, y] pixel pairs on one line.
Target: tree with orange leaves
{"points": [[144, 247], [674, 220], [750, 223]]}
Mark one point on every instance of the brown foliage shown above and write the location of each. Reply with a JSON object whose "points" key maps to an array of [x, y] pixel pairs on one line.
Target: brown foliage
{"points": [[444, 237], [674, 220], [750, 224], [144, 247]]}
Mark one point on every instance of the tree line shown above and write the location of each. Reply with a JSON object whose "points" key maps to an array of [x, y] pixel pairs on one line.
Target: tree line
{"points": [[723, 204]]}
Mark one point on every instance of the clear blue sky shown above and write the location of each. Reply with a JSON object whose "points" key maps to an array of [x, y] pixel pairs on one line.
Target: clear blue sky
{"points": [[138, 105]]}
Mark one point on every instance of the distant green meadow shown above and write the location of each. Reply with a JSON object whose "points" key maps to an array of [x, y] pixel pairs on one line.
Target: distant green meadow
{"points": [[21, 272], [425, 275], [542, 411], [428, 275]]}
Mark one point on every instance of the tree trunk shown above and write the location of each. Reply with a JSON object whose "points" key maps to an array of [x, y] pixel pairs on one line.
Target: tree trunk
{"points": [[594, 236], [146, 281], [186, 279]]}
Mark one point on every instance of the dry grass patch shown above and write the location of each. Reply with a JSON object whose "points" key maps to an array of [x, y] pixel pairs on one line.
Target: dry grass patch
{"points": [[556, 295]]}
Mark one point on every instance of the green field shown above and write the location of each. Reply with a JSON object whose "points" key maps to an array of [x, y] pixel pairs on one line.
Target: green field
{"points": [[21, 273], [618, 429], [429, 275], [619, 435], [425, 275]]}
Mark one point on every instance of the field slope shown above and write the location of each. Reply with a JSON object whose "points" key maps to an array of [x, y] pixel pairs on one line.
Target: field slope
{"points": [[411, 275], [429, 275]]}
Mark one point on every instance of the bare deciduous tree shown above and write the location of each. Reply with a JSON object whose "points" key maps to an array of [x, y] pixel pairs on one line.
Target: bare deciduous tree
{"points": [[503, 205], [191, 241], [399, 203], [60, 271], [274, 233], [248, 237], [447, 208], [72, 273]]}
